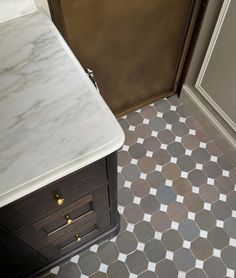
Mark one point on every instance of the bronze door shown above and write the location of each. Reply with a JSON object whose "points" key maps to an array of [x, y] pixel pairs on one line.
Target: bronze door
{"points": [[136, 48]]}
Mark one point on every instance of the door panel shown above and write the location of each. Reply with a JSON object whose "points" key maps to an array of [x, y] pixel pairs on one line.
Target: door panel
{"points": [[133, 46]]}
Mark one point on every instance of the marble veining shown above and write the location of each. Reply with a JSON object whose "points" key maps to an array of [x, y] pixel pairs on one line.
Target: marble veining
{"points": [[52, 119]]}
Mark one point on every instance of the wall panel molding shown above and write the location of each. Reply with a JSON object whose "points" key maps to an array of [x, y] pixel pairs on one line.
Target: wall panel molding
{"points": [[188, 92], [198, 84]]}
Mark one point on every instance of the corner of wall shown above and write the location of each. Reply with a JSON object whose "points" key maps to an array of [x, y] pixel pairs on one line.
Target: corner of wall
{"points": [[217, 128]]}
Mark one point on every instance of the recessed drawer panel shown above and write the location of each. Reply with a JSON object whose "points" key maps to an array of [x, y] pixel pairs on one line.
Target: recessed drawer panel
{"points": [[53, 197], [76, 238], [55, 226]]}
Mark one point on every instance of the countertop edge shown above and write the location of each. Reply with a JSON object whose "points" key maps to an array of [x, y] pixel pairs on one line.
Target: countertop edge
{"points": [[44, 180]]}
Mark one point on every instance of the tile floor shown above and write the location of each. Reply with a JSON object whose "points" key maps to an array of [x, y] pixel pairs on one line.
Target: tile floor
{"points": [[177, 200]]}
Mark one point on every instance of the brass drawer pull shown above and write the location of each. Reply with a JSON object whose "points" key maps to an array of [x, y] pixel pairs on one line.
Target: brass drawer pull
{"points": [[59, 200], [69, 220], [78, 238]]}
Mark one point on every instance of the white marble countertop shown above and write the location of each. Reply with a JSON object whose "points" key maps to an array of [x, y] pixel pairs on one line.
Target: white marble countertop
{"points": [[52, 119]]}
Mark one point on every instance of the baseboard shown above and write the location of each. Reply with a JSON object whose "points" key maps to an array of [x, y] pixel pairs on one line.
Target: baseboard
{"points": [[223, 135]]}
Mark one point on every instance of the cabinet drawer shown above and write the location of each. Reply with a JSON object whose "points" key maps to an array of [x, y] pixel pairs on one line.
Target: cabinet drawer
{"points": [[76, 238], [43, 202], [57, 225]]}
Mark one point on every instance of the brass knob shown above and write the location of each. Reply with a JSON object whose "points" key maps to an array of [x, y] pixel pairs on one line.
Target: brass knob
{"points": [[68, 219], [78, 238], [59, 200]]}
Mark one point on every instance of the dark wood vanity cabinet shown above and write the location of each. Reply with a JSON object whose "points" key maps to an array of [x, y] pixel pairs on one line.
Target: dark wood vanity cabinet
{"points": [[50, 225]]}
